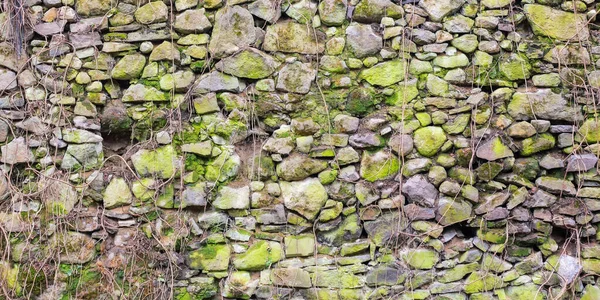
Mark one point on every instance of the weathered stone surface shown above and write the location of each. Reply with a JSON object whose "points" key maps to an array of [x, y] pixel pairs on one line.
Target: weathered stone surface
{"points": [[429, 140], [437, 10], [249, 63], [543, 104], [232, 31], [129, 67], [153, 12], [306, 197], [192, 21], [556, 24], [420, 191], [298, 167], [493, 149], [296, 78], [16, 152], [362, 40], [293, 37], [161, 162], [385, 73], [259, 256]]}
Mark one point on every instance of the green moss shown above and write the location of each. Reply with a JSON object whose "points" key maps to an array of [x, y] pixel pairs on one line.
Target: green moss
{"points": [[481, 282], [590, 130], [115, 37], [385, 73], [492, 235], [429, 140], [421, 258], [259, 256], [378, 165], [539, 143], [211, 257]]}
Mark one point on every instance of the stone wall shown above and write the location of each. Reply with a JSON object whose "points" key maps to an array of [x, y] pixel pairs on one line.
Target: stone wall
{"points": [[432, 149]]}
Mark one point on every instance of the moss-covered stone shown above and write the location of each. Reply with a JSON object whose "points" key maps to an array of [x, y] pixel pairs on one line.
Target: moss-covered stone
{"points": [[129, 67], [261, 255], [590, 130], [429, 140], [210, 257], [420, 258], [153, 12], [482, 281], [385, 73], [556, 24], [161, 162], [515, 67], [117, 193], [378, 165], [539, 143], [249, 63]]}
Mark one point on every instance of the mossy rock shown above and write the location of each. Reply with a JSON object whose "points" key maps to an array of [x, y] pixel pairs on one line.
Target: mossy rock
{"points": [[129, 67], [556, 24], [379, 165], [210, 257], [429, 140], [590, 130], [482, 281], [261, 255], [161, 162], [423, 259], [539, 143], [361, 101], [385, 73]]}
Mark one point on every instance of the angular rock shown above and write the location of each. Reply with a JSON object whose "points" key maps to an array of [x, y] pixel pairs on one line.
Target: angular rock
{"points": [[493, 149], [543, 104], [192, 21], [16, 152], [362, 40], [333, 12], [306, 197], [232, 31], [248, 63], [556, 24], [291, 37], [153, 12], [233, 198], [129, 67], [296, 78], [210, 258], [117, 193], [161, 162], [437, 10], [419, 190], [451, 211], [290, 277], [385, 73], [298, 167], [259, 256]]}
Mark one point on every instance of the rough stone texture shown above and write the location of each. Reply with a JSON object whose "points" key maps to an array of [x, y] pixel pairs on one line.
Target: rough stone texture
{"points": [[367, 149]]}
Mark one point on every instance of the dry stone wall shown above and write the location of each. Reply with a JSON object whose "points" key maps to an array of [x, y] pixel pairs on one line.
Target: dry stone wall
{"points": [[362, 149]]}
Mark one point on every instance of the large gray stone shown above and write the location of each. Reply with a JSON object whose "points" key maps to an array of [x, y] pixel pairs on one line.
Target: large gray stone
{"points": [[438, 9], [233, 30], [305, 197], [296, 78], [249, 63], [362, 40], [291, 37], [543, 104], [420, 191]]}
